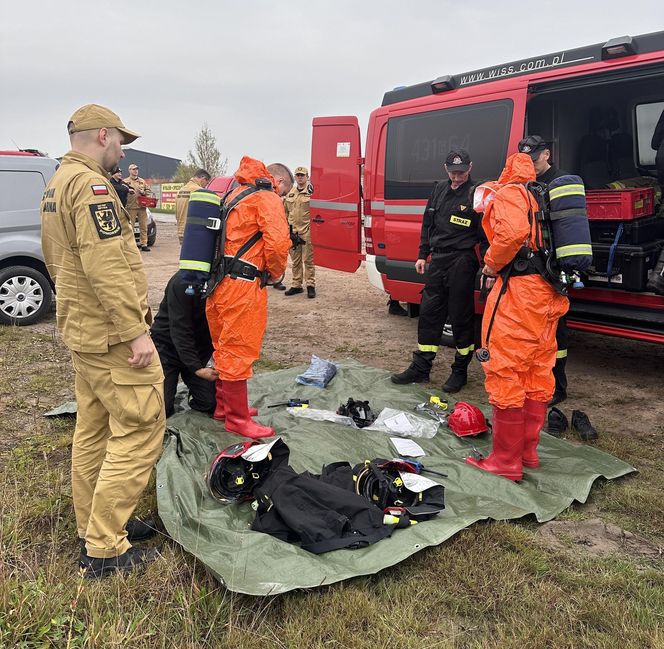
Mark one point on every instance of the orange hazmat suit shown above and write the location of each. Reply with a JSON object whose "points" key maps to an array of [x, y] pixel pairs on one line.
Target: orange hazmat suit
{"points": [[522, 345], [237, 309]]}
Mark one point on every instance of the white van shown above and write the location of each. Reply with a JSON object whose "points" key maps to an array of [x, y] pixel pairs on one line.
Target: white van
{"points": [[26, 290]]}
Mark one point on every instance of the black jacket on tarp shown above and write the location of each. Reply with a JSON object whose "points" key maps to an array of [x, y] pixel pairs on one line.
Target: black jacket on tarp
{"points": [[317, 513]]}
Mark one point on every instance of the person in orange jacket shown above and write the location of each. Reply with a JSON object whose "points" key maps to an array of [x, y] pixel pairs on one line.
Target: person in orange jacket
{"points": [[237, 308], [525, 313]]}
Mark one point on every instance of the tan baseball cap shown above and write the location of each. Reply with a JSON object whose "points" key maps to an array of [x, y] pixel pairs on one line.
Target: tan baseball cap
{"points": [[92, 116], [132, 166], [301, 170]]}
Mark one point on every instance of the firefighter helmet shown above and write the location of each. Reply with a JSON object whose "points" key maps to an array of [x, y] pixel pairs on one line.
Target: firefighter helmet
{"points": [[237, 470], [466, 419]]}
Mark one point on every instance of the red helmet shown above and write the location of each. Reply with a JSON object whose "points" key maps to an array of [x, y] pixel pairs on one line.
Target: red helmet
{"points": [[466, 419]]}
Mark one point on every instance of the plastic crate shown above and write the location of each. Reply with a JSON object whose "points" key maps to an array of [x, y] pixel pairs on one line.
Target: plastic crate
{"points": [[630, 267], [636, 231], [620, 204], [147, 201]]}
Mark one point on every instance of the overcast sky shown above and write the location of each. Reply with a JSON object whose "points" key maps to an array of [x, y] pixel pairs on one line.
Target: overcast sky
{"points": [[257, 72]]}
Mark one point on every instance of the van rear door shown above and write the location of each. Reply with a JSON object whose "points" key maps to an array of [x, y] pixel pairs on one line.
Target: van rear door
{"points": [[336, 164]]}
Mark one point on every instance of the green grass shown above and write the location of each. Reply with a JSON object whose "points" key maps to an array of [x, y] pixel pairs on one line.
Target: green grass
{"points": [[494, 585]]}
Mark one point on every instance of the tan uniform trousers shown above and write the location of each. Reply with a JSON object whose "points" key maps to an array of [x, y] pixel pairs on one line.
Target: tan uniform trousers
{"points": [[142, 216], [180, 223], [303, 263], [118, 437]]}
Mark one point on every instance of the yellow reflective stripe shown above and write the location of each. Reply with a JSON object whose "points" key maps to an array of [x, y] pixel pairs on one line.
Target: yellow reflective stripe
{"points": [[204, 197], [427, 348], [561, 353], [574, 249], [464, 351], [567, 190], [192, 264]]}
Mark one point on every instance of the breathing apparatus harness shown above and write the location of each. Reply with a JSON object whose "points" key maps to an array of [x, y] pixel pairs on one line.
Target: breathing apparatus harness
{"points": [[235, 267], [528, 261]]}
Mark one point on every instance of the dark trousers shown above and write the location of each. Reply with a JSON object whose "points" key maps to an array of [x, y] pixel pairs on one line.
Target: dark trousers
{"points": [[562, 338], [201, 392], [449, 294]]}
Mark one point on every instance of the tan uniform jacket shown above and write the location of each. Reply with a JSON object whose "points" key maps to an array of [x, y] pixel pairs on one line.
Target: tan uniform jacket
{"points": [[296, 204], [141, 188], [182, 204], [91, 255]]}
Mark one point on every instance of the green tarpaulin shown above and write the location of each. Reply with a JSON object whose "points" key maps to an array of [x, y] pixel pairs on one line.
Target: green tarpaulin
{"points": [[257, 564]]}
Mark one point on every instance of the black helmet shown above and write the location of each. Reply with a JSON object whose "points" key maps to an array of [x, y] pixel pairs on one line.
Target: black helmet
{"points": [[238, 469]]}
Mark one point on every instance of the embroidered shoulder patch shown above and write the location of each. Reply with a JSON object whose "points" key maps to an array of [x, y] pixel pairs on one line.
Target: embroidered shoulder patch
{"points": [[106, 220], [100, 190]]}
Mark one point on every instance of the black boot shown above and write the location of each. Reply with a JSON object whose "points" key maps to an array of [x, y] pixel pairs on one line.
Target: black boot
{"points": [[418, 371], [459, 376], [560, 393], [395, 308], [131, 560], [656, 281]]}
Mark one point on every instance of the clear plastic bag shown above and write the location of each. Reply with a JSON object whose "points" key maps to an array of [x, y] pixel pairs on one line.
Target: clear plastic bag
{"points": [[321, 415], [319, 373], [404, 424]]}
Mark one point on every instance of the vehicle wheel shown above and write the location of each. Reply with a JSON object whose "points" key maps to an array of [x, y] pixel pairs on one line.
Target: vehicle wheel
{"points": [[152, 239], [25, 295]]}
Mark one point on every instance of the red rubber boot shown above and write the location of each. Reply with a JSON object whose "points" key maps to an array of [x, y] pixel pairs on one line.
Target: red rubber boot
{"points": [[238, 418], [505, 458], [534, 413], [219, 412]]}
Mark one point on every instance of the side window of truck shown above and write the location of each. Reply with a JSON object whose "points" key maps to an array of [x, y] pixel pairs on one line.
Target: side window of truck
{"points": [[646, 119], [417, 145]]}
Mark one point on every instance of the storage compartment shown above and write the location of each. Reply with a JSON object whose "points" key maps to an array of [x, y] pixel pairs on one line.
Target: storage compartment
{"points": [[620, 204], [629, 267], [637, 231]]}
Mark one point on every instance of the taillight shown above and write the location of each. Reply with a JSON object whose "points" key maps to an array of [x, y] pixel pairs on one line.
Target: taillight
{"points": [[368, 236]]}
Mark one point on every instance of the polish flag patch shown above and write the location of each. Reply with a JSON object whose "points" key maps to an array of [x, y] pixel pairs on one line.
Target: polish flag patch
{"points": [[100, 190]]}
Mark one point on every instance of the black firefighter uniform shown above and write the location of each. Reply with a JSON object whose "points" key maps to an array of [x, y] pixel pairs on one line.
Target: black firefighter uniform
{"points": [[296, 204], [101, 288], [136, 212]]}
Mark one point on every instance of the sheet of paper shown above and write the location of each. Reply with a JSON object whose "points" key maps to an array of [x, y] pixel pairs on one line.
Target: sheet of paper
{"points": [[407, 447], [399, 424]]}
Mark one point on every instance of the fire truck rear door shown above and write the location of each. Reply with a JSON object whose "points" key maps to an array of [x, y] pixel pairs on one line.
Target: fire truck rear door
{"points": [[336, 163]]}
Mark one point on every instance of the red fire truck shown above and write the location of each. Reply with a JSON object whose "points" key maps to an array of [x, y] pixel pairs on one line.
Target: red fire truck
{"points": [[597, 106]]}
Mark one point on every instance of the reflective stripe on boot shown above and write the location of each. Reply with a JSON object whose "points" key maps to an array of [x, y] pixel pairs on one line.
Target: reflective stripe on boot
{"points": [[238, 419], [505, 458], [534, 416]]}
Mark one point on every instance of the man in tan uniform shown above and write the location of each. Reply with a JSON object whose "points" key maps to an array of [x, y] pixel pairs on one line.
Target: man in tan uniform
{"points": [[200, 179], [103, 316], [141, 188], [296, 204]]}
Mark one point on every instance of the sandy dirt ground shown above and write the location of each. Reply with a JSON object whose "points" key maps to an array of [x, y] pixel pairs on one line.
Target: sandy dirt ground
{"points": [[618, 383]]}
